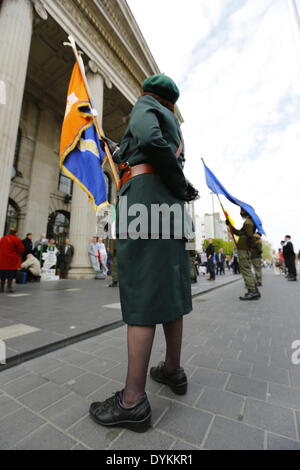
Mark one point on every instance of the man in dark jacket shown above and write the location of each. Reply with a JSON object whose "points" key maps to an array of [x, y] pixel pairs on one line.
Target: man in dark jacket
{"points": [[28, 247], [210, 251], [220, 258], [66, 253], [289, 258]]}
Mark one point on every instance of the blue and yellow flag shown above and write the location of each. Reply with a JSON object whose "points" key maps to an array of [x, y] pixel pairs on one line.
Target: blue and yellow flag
{"points": [[81, 155], [216, 187]]}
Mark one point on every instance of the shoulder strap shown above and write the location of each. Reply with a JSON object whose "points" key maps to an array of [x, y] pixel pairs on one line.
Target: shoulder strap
{"points": [[181, 144]]}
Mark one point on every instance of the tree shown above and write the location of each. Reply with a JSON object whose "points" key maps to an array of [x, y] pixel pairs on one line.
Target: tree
{"points": [[228, 247]]}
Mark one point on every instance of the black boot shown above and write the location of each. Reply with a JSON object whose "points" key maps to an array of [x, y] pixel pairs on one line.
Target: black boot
{"points": [[111, 412], [251, 295], [2, 287], [9, 286], [176, 380], [113, 284]]}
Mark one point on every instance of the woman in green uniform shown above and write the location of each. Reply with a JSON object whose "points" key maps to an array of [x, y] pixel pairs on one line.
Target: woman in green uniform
{"points": [[153, 263]]}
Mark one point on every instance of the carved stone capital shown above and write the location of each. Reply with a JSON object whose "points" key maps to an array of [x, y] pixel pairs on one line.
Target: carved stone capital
{"points": [[40, 9], [94, 68]]}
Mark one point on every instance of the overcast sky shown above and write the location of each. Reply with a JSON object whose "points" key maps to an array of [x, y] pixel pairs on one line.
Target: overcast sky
{"points": [[237, 64]]}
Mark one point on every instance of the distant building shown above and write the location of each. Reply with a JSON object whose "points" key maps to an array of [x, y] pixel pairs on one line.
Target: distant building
{"points": [[210, 226]]}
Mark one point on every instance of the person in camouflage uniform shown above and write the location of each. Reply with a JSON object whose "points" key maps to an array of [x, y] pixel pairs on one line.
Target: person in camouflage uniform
{"points": [[244, 245], [256, 258], [114, 270]]}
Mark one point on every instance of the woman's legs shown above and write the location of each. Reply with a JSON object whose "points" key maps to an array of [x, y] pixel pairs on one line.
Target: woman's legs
{"points": [[173, 335], [140, 340]]}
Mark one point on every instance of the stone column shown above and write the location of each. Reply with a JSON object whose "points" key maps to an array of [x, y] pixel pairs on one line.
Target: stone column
{"points": [[42, 175], [83, 216], [16, 19]]}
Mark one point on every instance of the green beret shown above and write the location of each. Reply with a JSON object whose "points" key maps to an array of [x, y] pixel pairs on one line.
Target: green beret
{"points": [[163, 86]]}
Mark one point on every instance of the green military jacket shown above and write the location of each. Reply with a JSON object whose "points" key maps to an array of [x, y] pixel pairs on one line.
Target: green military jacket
{"points": [[153, 136], [246, 233], [257, 248]]}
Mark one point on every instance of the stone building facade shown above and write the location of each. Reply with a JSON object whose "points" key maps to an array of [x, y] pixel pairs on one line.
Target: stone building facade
{"points": [[35, 69]]}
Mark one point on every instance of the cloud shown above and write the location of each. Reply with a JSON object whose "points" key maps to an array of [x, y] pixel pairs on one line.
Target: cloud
{"points": [[238, 68]]}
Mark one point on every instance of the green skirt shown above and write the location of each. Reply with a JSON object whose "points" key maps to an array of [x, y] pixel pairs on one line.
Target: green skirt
{"points": [[154, 280]]}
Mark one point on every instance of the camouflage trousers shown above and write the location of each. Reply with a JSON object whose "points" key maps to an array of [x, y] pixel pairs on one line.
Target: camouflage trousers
{"points": [[245, 269], [256, 263]]}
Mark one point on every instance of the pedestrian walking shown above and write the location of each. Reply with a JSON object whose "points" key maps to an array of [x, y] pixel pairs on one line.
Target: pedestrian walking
{"points": [[210, 252], [11, 250], [244, 245], [153, 271], [256, 258], [289, 258]]}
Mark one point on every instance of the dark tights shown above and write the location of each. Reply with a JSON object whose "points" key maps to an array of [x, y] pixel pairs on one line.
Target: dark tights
{"points": [[140, 341]]}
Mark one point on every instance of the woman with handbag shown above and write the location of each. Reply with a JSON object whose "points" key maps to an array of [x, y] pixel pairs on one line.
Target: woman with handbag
{"points": [[153, 263]]}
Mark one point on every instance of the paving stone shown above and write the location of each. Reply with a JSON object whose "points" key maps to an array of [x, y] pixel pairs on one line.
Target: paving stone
{"points": [[99, 366], [256, 358], [67, 411], [220, 403], [181, 445], [43, 364], [134, 441], [117, 373], [286, 396], [12, 374], [93, 435], [77, 358], [186, 423], [203, 360], [158, 406], [80, 447], [194, 390], [7, 406], [236, 367], [295, 378], [281, 443], [39, 399], [225, 353], [298, 422], [16, 426], [46, 438], [23, 385], [116, 354], [105, 392], [271, 374], [230, 435], [63, 374], [210, 377], [272, 418], [86, 384], [247, 387]]}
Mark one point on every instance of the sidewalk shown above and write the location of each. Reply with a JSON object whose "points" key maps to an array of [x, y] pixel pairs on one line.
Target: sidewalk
{"points": [[244, 392], [40, 318]]}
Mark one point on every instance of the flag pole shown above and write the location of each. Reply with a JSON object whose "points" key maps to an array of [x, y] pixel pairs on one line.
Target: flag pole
{"points": [[225, 214], [80, 63]]}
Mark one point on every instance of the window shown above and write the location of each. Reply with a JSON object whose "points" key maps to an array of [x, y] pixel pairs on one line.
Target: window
{"points": [[58, 225], [65, 184], [15, 171], [12, 216]]}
